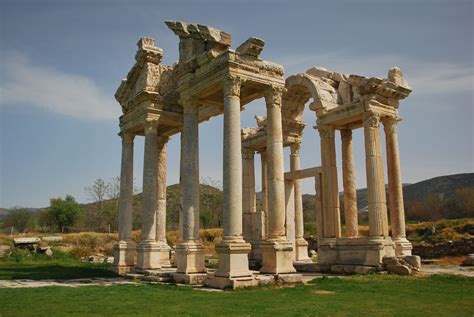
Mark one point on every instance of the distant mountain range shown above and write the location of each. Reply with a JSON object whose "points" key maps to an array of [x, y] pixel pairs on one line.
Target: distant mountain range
{"points": [[444, 186]]}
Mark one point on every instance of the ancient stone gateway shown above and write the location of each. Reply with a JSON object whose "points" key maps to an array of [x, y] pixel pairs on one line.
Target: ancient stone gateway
{"points": [[159, 101]]}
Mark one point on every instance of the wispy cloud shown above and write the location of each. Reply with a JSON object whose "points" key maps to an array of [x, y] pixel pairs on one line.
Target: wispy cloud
{"points": [[426, 77], [26, 84]]}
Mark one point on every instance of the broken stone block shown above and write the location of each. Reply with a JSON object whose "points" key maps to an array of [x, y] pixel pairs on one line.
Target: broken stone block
{"points": [[252, 47], [398, 269], [390, 260], [413, 260]]}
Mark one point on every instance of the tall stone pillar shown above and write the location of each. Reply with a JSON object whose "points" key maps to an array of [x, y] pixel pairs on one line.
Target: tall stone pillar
{"points": [[378, 223], [330, 191], [181, 176], [125, 249], [232, 250], [190, 252], [161, 212], [277, 251], [263, 159], [248, 192], [348, 180], [397, 211], [148, 252], [301, 245]]}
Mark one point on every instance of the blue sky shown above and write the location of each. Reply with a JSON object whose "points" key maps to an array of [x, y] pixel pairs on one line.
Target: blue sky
{"points": [[61, 61]]}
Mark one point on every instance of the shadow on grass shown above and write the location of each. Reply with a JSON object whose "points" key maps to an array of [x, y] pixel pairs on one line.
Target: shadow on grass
{"points": [[45, 271]]}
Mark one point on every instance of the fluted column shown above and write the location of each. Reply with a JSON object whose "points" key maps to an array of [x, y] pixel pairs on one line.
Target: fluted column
{"points": [[126, 188], [190, 252], [395, 187], [125, 249], [378, 224], [181, 176], [161, 211], [248, 192], [232, 250], [148, 251], [348, 181], [277, 251], [330, 191], [263, 160], [301, 251]]}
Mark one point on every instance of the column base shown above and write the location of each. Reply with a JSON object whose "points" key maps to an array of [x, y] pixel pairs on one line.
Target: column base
{"points": [[277, 257], [233, 258], [124, 256], [189, 278], [402, 246], [164, 253], [230, 282], [301, 251], [190, 257], [148, 256]]}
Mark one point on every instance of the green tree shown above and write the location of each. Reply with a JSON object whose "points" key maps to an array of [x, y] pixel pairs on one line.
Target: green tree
{"points": [[63, 212], [19, 218]]}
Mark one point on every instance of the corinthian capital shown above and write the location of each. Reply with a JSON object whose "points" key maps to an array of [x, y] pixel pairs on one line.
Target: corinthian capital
{"points": [[346, 135], [248, 153], [326, 131], [273, 95], [231, 86], [371, 119], [127, 138], [151, 125], [390, 124]]}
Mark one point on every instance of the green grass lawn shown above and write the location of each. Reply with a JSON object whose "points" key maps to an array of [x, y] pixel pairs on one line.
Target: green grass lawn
{"points": [[373, 295], [24, 265], [354, 296]]}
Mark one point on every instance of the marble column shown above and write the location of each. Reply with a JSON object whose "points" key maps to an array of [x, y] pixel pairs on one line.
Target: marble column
{"points": [[395, 188], [378, 223], [329, 186], [263, 160], [277, 251], [248, 192], [348, 181], [161, 212], [190, 253], [181, 176], [232, 250], [301, 245], [148, 252], [125, 249]]}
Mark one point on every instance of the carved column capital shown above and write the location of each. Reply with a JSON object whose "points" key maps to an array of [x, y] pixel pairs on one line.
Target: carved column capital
{"points": [[371, 119], [248, 153], [232, 85], [151, 125], [273, 96], [346, 135], [190, 104], [390, 124], [127, 138], [325, 131], [295, 148]]}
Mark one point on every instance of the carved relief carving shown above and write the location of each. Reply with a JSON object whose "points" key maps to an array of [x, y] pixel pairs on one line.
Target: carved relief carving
{"points": [[371, 119], [273, 96], [231, 86]]}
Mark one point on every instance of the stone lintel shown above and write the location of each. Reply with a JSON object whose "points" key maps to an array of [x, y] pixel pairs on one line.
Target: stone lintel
{"points": [[304, 173]]}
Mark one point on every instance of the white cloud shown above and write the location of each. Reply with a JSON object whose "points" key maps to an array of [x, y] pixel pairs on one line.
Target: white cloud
{"points": [[26, 84], [425, 77]]}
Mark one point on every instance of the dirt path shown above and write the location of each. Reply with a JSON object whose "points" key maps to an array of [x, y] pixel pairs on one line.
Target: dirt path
{"points": [[66, 283]]}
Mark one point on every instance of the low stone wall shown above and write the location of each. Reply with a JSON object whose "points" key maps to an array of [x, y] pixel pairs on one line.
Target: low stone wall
{"points": [[428, 251], [454, 248]]}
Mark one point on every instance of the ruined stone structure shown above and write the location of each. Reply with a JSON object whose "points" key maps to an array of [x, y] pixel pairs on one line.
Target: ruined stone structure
{"points": [[159, 101]]}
